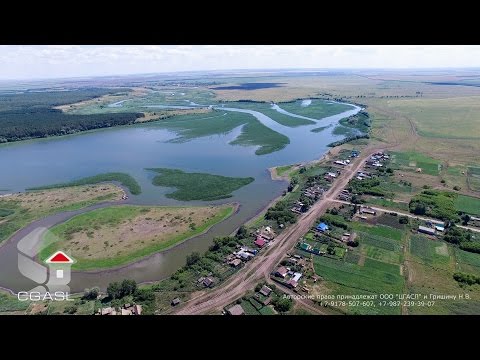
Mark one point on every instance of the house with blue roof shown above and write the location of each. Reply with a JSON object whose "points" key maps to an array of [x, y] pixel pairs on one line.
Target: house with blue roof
{"points": [[322, 227]]}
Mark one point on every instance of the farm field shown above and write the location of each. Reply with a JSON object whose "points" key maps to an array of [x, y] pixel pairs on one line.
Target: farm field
{"points": [[373, 277], [468, 204], [412, 160]]}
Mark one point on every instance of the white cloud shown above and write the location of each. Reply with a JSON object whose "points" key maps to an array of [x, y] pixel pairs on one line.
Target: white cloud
{"points": [[27, 62]]}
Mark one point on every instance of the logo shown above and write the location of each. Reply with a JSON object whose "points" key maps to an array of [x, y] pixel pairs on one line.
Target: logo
{"points": [[52, 279]]}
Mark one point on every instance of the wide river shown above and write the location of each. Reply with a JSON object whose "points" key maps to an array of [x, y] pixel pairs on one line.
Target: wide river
{"points": [[131, 149]]}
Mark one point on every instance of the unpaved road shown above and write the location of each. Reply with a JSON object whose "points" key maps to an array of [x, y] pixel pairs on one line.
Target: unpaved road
{"points": [[424, 218], [261, 266]]}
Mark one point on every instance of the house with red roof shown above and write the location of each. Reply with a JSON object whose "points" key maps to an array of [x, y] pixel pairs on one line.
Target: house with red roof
{"points": [[260, 242]]}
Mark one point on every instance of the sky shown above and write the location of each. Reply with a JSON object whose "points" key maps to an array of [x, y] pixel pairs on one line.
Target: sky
{"points": [[57, 61]]}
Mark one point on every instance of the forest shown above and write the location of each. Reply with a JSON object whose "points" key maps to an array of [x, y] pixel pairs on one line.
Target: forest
{"points": [[32, 114]]}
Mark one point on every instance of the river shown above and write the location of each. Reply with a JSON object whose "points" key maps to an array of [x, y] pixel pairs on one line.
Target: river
{"points": [[131, 149]]}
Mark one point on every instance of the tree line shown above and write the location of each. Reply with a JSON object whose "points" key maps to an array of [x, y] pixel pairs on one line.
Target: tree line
{"points": [[31, 115]]}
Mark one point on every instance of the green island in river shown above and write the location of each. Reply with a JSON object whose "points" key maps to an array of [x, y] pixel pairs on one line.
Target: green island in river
{"points": [[126, 180], [197, 186]]}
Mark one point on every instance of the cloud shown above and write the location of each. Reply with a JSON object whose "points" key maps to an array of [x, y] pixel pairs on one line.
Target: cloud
{"points": [[28, 62]]}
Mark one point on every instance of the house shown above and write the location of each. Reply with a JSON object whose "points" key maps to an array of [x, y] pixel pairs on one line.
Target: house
{"points": [[175, 301], [235, 263], [126, 312], [333, 175], [341, 162], [296, 276], [265, 290], [305, 246], [426, 230], [292, 283], [322, 227], [244, 255], [368, 211], [236, 310], [230, 258], [440, 228], [474, 221], [281, 271], [208, 282], [260, 242]]}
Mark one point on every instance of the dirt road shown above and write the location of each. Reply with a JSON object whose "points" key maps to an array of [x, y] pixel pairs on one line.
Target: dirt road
{"points": [[261, 266], [424, 218]]}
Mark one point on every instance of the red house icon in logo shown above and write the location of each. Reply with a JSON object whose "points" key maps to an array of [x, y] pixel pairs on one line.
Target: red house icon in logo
{"points": [[60, 265]]}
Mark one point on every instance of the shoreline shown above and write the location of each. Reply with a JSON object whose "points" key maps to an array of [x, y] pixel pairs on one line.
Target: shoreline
{"points": [[235, 208]]}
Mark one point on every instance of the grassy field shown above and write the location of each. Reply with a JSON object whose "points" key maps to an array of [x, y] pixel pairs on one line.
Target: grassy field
{"points": [[388, 203], [468, 204], [30, 206], [433, 253], [412, 160], [437, 117], [6, 212], [198, 186], [118, 235], [124, 179], [318, 109], [253, 132], [10, 304], [381, 231], [373, 277], [281, 170], [467, 262]]}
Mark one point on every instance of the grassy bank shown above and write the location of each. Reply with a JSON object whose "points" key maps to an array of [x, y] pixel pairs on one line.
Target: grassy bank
{"points": [[253, 133], [266, 109], [319, 129], [24, 208], [197, 186], [124, 179], [317, 109], [117, 235]]}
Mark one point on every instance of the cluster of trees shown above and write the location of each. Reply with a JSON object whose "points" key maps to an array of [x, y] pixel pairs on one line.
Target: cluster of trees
{"points": [[463, 238], [116, 290], [207, 263], [348, 139], [335, 220], [91, 294], [435, 203], [282, 304], [366, 186], [51, 122], [31, 115], [359, 121], [281, 213], [468, 279]]}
